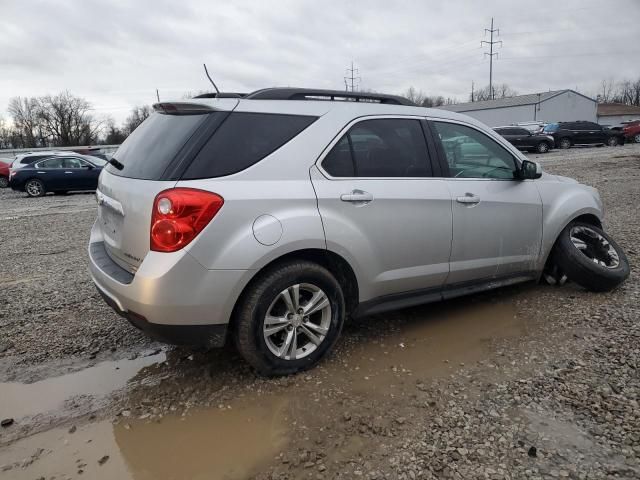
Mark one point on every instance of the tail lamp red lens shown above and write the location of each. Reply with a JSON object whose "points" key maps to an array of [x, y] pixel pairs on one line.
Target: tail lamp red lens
{"points": [[179, 215]]}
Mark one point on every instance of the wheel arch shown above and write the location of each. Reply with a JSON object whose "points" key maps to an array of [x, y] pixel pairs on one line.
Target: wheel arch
{"points": [[335, 263]]}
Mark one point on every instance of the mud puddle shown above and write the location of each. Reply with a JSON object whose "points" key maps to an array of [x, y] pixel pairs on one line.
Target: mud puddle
{"points": [[230, 443], [429, 341], [20, 400]]}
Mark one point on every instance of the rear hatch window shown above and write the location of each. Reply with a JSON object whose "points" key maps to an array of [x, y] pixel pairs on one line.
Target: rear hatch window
{"points": [[151, 148]]}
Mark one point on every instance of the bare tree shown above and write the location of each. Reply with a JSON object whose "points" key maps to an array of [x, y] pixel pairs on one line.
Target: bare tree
{"points": [[499, 91], [420, 98], [112, 134], [137, 116], [24, 112], [67, 120]]}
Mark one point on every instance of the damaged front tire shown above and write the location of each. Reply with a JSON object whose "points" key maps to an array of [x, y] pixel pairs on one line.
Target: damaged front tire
{"points": [[590, 257]]}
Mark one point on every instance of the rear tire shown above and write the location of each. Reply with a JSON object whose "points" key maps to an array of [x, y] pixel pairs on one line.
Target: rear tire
{"points": [[612, 141], [34, 188], [564, 143], [636, 138], [272, 330], [590, 257], [542, 147], [4, 182]]}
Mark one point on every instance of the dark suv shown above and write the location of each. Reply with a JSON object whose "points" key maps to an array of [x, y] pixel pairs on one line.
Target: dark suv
{"points": [[524, 139], [568, 134]]}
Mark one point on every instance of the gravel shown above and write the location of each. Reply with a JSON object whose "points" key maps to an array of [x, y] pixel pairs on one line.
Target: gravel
{"points": [[556, 398]]}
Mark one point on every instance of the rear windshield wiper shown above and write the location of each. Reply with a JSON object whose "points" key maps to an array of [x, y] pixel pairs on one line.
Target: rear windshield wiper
{"points": [[116, 163]]}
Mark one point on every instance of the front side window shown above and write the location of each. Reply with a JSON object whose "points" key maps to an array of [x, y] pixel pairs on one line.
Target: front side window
{"points": [[472, 154], [71, 163], [392, 147]]}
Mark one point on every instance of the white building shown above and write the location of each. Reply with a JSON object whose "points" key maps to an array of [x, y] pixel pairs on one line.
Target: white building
{"points": [[556, 106], [615, 113]]}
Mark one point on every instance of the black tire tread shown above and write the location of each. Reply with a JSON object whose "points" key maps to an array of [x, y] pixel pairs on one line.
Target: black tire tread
{"points": [[584, 272], [249, 302]]}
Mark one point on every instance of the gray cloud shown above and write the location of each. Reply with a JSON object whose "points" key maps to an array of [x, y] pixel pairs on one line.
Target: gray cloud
{"points": [[116, 52]]}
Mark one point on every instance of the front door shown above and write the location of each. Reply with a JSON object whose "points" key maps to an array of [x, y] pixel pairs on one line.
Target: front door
{"points": [[383, 210], [497, 219]]}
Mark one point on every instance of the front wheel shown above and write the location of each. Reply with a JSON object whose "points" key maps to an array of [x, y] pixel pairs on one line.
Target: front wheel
{"points": [[542, 147], [636, 138], [34, 188], [590, 257], [4, 182], [612, 141], [290, 318]]}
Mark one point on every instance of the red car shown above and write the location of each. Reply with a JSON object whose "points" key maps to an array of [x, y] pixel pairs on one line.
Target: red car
{"points": [[632, 130], [4, 171]]}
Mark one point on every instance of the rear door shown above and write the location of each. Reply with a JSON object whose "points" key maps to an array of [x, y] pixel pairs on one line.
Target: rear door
{"points": [[497, 220], [382, 208], [142, 167]]}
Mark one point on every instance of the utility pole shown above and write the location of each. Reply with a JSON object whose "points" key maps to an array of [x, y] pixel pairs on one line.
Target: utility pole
{"points": [[472, 99], [158, 95], [491, 43], [351, 78]]}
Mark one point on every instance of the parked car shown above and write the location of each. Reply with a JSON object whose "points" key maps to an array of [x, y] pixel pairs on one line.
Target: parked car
{"points": [[271, 219], [631, 130], [533, 127], [58, 174], [524, 139], [24, 159], [568, 134], [4, 171]]}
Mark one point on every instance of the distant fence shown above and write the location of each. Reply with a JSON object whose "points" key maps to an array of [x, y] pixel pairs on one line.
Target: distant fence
{"points": [[108, 150]]}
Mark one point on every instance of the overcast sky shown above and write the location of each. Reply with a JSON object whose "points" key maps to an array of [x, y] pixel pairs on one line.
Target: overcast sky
{"points": [[115, 53]]}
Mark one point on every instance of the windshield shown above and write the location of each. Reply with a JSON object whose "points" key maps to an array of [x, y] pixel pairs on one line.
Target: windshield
{"points": [[552, 127]]}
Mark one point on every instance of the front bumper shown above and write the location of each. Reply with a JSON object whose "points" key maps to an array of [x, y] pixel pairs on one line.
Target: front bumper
{"points": [[171, 296]]}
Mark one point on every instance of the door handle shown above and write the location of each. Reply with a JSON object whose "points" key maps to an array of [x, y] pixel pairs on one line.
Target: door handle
{"points": [[468, 199], [68, 172], [357, 196]]}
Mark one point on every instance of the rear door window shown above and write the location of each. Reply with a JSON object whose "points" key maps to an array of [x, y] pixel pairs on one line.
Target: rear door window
{"points": [[243, 140], [391, 147], [153, 145]]}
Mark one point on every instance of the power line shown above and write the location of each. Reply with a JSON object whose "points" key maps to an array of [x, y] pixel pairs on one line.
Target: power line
{"points": [[491, 43], [352, 79]]}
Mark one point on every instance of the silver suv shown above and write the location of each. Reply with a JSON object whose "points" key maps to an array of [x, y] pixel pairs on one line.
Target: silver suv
{"points": [[272, 217]]}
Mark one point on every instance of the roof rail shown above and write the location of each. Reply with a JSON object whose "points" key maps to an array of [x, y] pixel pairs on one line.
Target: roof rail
{"points": [[221, 95], [315, 94]]}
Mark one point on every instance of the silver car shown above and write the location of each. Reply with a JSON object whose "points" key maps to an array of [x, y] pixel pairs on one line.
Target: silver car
{"points": [[271, 218]]}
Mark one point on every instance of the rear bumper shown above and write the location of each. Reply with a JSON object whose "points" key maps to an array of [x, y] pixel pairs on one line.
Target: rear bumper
{"points": [[171, 296], [200, 335]]}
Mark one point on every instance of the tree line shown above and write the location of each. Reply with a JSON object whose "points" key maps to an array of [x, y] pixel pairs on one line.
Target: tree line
{"points": [[62, 120]]}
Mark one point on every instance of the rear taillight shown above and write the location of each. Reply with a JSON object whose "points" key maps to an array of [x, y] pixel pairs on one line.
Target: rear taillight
{"points": [[179, 215]]}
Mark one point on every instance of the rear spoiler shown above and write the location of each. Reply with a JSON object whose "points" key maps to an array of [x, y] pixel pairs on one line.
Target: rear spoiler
{"points": [[182, 108]]}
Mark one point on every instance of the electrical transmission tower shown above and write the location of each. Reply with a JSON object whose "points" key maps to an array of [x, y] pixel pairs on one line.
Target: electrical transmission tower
{"points": [[491, 54], [351, 81]]}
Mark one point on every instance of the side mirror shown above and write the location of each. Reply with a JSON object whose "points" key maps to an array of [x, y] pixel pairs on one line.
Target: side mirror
{"points": [[530, 170]]}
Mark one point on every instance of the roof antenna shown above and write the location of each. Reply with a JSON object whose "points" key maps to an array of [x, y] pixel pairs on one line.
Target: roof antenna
{"points": [[209, 77]]}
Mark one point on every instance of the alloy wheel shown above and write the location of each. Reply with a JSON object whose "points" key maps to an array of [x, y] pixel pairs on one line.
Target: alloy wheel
{"points": [[4, 182], [34, 188], [612, 142], [565, 143], [594, 246], [297, 321]]}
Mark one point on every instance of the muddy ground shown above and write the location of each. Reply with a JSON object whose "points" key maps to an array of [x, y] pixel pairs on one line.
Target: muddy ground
{"points": [[530, 381]]}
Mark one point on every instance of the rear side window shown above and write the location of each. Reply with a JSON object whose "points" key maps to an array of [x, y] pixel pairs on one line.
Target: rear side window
{"points": [[149, 150], [243, 140], [52, 163], [380, 148]]}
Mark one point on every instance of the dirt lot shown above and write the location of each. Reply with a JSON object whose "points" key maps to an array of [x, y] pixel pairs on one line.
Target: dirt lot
{"points": [[529, 381]]}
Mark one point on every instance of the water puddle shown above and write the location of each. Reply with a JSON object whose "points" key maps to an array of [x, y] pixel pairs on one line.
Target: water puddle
{"points": [[431, 341], [225, 444], [20, 400]]}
